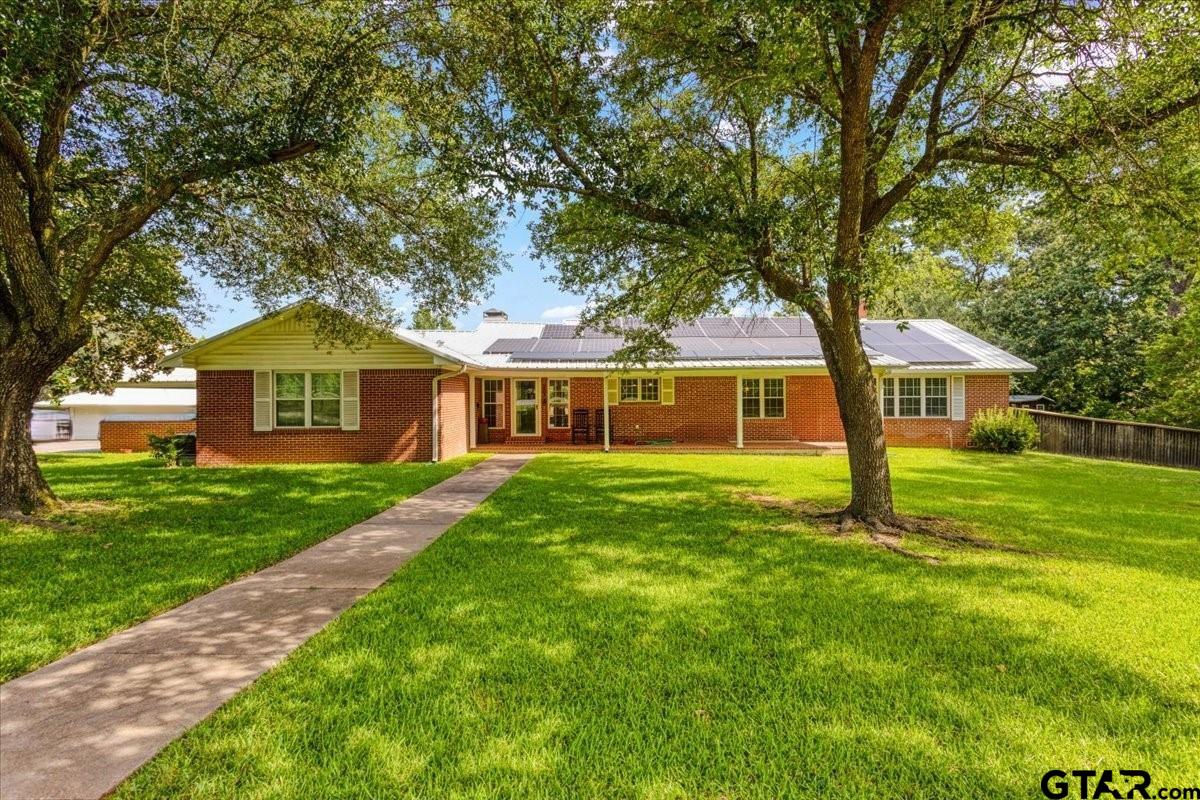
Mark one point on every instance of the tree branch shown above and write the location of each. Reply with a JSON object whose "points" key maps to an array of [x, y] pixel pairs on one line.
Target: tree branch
{"points": [[133, 214]]}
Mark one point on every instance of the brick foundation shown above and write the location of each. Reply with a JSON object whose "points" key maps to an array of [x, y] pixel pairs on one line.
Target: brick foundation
{"points": [[394, 424], [132, 436]]}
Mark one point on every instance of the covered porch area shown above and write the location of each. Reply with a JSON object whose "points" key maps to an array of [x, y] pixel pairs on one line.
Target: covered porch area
{"points": [[758, 448]]}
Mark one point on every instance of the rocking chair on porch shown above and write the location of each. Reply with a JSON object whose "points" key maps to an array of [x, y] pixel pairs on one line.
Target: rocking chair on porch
{"points": [[580, 426]]}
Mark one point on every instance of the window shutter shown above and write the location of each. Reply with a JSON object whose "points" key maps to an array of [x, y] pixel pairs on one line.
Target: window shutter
{"points": [[667, 391], [613, 387], [350, 400], [958, 397], [262, 400], [879, 392]]}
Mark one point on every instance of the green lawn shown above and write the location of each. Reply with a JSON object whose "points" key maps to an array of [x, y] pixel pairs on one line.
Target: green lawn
{"points": [[149, 538], [618, 626]]}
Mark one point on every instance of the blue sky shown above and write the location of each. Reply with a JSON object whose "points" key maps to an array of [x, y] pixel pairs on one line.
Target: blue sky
{"points": [[525, 290]]}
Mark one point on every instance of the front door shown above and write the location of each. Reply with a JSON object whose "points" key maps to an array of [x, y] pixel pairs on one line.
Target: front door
{"points": [[525, 407]]}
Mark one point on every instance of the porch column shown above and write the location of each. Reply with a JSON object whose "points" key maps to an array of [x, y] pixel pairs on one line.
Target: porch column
{"points": [[607, 419], [472, 417], [738, 399]]}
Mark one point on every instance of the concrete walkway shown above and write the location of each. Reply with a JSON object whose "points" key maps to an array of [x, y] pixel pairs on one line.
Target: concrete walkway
{"points": [[68, 446], [78, 727]]}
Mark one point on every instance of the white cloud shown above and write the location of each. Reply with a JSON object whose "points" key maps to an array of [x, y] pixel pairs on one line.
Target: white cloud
{"points": [[562, 312]]}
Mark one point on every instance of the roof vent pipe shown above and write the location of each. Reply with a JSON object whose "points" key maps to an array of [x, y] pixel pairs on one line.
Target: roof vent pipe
{"points": [[495, 315]]}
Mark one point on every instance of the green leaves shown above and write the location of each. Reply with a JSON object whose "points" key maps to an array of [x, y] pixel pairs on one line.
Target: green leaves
{"points": [[262, 142]]}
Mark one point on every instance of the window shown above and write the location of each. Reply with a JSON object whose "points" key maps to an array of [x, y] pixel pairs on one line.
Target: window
{"points": [[308, 399], [326, 399], [289, 399], [493, 401], [763, 398], [639, 390], [914, 397], [935, 397], [751, 398], [910, 397], [559, 399]]}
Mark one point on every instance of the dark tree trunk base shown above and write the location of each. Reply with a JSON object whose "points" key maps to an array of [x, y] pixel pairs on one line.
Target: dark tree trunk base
{"points": [[887, 532], [24, 369]]}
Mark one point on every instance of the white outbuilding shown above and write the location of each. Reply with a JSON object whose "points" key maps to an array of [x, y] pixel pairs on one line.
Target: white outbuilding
{"points": [[167, 396]]}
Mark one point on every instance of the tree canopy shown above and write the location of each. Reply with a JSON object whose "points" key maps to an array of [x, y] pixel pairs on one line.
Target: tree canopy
{"points": [[685, 157], [262, 142]]}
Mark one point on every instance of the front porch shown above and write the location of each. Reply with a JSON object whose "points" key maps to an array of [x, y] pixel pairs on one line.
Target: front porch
{"points": [[758, 448]]}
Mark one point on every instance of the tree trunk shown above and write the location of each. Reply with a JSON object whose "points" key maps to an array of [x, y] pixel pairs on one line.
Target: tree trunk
{"points": [[24, 369], [839, 329], [858, 407]]}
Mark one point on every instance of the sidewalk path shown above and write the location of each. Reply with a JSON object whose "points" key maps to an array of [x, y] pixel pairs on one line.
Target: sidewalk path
{"points": [[78, 727]]}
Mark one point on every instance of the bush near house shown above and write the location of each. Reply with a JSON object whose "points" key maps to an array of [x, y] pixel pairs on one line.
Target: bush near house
{"points": [[173, 450], [1003, 430]]}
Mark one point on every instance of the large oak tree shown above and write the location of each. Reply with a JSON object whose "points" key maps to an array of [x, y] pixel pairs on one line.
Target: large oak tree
{"points": [[685, 156], [261, 140]]}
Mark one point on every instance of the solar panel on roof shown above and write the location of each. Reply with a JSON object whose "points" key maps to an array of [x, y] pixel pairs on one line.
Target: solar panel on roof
{"points": [[732, 338], [509, 345], [557, 331], [912, 344], [716, 328]]}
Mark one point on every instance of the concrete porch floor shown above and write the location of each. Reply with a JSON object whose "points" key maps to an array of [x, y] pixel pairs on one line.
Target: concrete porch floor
{"points": [[757, 448]]}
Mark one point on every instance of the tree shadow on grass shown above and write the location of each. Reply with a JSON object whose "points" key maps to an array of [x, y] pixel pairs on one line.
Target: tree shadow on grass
{"points": [[611, 630], [156, 537], [1127, 515]]}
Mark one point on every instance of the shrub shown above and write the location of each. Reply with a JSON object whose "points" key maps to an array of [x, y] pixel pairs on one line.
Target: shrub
{"points": [[1003, 430], [175, 449]]}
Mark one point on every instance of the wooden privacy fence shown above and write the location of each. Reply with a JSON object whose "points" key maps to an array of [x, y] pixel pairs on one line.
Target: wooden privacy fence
{"points": [[1117, 440]]}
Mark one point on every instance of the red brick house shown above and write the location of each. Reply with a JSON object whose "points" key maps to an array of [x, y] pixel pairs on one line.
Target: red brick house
{"points": [[266, 392]]}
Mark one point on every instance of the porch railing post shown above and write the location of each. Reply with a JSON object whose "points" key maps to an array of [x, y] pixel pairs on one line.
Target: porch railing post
{"points": [[607, 418], [472, 417], [738, 399]]}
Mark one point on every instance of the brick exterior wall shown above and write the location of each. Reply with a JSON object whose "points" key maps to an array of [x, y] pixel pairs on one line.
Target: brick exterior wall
{"points": [[453, 419], [983, 391], [130, 436], [395, 422], [705, 411]]}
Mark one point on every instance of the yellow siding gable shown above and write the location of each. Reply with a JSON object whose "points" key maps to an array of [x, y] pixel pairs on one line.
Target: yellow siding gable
{"points": [[289, 344]]}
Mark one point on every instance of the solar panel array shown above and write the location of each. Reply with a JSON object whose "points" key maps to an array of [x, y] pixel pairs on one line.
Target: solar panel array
{"points": [[730, 338], [912, 344]]}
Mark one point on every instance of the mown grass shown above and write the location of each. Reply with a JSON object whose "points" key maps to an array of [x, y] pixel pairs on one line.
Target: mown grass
{"points": [[619, 626], [145, 539]]}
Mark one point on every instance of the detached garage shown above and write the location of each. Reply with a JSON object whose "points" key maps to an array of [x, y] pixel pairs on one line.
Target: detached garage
{"points": [[168, 397]]}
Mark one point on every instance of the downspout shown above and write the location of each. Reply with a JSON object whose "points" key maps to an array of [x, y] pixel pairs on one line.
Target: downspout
{"points": [[436, 405], [607, 416]]}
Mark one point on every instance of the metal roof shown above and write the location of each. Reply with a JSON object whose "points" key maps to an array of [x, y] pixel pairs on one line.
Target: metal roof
{"points": [[140, 396], [724, 343]]}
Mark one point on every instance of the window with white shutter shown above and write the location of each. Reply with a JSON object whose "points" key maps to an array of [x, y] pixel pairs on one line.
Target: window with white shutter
{"points": [[350, 400], [262, 400], [958, 397]]}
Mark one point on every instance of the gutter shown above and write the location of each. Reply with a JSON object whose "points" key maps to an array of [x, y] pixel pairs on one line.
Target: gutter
{"points": [[436, 406]]}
